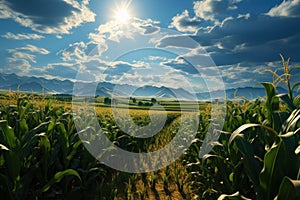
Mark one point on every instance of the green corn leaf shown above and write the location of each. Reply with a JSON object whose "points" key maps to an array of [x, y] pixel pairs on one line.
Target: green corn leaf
{"points": [[45, 148], [252, 165], [270, 89], [289, 189], [59, 176], [297, 101], [272, 172], [291, 123], [272, 102], [23, 127], [13, 164], [37, 130], [28, 146], [8, 135], [75, 148], [279, 161], [279, 119], [286, 99], [63, 140], [246, 126], [292, 160]]}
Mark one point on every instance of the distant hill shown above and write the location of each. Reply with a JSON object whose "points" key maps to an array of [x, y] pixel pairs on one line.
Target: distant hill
{"points": [[35, 84], [55, 86]]}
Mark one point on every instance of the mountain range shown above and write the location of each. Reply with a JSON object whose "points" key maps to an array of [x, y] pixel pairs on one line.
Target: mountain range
{"points": [[55, 86]]}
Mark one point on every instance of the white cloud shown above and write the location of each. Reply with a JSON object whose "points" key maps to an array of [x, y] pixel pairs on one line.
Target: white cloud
{"points": [[184, 23], [177, 41], [57, 70], [16, 55], [73, 52], [289, 8], [51, 17], [22, 36], [215, 10], [25, 52], [255, 38], [115, 31], [22, 57], [157, 58], [18, 66], [31, 48]]}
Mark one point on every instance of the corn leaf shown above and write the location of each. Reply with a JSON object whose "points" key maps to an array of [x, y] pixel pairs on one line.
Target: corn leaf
{"points": [[279, 161], [59, 176], [8, 135], [289, 189], [286, 99]]}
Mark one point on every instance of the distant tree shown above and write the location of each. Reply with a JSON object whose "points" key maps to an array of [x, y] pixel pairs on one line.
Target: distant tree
{"points": [[153, 100], [107, 100], [140, 103], [148, 104], [133, 100]]}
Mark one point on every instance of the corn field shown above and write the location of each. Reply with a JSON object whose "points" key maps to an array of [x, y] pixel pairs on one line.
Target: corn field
{"points": [[256, 157]]}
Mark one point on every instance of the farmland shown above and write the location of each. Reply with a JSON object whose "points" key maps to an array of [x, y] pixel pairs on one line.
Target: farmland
{"points": [[256, 156]]}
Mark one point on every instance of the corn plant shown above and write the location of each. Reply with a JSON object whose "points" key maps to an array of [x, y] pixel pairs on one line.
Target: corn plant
{"points": [[277, 168], [257, 155], [41, 155]]}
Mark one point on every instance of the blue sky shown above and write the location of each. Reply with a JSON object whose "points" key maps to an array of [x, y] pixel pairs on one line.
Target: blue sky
{"points": [[157, 42]]}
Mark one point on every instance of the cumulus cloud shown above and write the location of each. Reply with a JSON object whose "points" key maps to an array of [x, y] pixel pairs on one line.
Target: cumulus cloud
{"points": [[51, 17], [241, 45], [25, 53], [257, 39], [97, 56], [57, 70], [290, 8], [22, 36], [181, 64], [115, 31], [22, 57], [215, 9], [149, 29], [246, 39], [18, 66], [73, 52], [119, 68], [249, 74], [184, 23], [180, 41]]}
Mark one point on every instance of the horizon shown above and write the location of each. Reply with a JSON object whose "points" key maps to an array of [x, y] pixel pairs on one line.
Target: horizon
{"points": [[40, 86]]}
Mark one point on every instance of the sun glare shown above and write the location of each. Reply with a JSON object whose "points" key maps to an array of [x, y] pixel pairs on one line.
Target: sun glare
{"points": [[122, 15], [121, 12]]}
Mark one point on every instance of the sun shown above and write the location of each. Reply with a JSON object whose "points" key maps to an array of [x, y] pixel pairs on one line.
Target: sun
{"points": [[122, 12], [122, 15]]}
